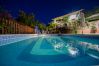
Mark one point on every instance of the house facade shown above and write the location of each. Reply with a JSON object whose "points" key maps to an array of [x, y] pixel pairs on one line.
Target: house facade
{"points": [[71, 16], [93, 25], [84, 27], [68, 19]]}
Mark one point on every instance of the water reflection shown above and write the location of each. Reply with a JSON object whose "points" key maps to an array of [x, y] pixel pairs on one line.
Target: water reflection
{"points": [[67, 47], [73, 51], [90, 46], [71, 47]]}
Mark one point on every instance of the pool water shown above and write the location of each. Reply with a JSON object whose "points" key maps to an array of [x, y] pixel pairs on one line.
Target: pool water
{"points": [[47, 50]]}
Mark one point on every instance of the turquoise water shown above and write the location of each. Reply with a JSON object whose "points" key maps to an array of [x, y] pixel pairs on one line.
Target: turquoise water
{"points": [[49, 50]]}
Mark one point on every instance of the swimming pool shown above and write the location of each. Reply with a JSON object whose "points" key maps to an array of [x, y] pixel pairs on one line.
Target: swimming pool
{"points": [[51, 50]]}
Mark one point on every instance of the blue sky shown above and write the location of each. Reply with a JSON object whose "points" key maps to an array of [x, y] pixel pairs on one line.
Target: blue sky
{"points": [[45, 10]]}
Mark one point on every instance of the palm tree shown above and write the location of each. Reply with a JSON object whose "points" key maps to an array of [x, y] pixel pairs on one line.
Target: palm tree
{"points": [[25, 18], [42, 27], [4, 17]]}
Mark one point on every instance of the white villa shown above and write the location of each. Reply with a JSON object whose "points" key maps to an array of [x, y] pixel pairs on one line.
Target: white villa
{"points": [[71, 16], [79, 15]]}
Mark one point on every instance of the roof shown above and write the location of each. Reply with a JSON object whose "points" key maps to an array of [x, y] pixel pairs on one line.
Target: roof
{"points": [[67, 14], [92, 16]]}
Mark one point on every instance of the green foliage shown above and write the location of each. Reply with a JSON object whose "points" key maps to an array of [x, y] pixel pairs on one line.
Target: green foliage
{"points": [[75, 25], [93, 27], [92, 19], [53, 25], [41, 26], [23, 18], [26, 18], [2, 25], [65, 19], [29, 19]]}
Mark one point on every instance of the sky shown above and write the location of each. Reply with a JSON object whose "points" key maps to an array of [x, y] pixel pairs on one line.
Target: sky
{"points": [[46, 10]]}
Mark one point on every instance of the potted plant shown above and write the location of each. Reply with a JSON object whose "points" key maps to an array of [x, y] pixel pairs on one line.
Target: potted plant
{"points": [[93, 29]]}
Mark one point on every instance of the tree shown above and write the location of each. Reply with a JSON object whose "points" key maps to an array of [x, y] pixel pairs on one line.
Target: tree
{"points": [[42, 26], [74, 26], [51, 27], [4, 15], [25, 18], [65, 19]]}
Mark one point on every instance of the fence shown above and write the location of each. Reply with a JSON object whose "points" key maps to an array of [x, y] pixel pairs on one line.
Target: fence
{"points": [[13, 27]]}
